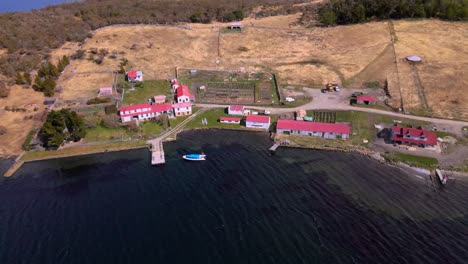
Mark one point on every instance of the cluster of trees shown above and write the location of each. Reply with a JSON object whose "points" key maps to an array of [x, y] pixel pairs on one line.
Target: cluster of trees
{"points": [[356, 11], [62, 126], [35, 33], [47, 74]]}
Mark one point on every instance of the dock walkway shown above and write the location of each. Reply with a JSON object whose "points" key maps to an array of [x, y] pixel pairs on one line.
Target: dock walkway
{"points": [[157, 148], [157, 153]]}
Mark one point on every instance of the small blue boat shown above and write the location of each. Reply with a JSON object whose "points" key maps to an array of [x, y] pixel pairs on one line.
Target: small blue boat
{"points": [[194, 157]]}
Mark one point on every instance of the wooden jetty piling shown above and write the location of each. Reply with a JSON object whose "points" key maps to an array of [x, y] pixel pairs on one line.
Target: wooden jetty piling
{"points": [[157, 153]]}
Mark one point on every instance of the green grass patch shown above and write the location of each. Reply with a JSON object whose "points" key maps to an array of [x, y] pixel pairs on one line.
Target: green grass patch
{"points": [[148, 90], [375, 84], [212, 117], [83, 150], [101, 133], [443, 134], [150, 128], [28, 139], [413, 160]]}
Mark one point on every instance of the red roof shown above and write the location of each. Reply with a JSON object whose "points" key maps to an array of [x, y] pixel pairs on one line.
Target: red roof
{"points": [[132, 74], [258, 119], [231, 119], [366, 98], [134, 107], [313, 126], [236, 107], [153, 109], [183, 90], [399, 133], [180, 105]]}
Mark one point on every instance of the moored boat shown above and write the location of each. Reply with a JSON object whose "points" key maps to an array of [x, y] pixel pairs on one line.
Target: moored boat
{"points": [[442, 177], [194, 157]]}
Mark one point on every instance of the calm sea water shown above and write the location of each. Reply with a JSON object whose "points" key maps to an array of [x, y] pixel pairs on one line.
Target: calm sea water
{"points": [[27, 5], [240, 206]]}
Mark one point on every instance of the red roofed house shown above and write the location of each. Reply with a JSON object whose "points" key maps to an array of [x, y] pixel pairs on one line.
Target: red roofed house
{"points": [[366, 99], [230, 120], [134, 76], [236, 110], [143, 111], [182, 109], [257, 121], [315, 129], [413, 136], [183, 94]]}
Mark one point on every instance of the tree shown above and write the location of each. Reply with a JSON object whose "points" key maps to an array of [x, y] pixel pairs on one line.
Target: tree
{"points": [[65, 60], [328, 18], [19, 79], [53, 71], [49, 87], [38, 84], [359, 14], [27, 78]]}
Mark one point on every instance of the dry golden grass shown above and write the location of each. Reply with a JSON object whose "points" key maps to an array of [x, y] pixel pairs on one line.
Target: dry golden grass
{"points": [[444, 48], [17, 126], [66, 49], [307, 56]]}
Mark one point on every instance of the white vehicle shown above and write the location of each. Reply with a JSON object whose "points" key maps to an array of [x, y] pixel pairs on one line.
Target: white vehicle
{"points": [[266, 112], [337, 89], [289, 99]]}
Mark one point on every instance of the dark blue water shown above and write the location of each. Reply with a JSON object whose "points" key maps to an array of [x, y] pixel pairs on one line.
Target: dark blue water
{"points": [[239, 206], [27, 5]]}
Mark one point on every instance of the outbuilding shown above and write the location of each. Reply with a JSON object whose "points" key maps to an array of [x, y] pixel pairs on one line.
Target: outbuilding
{"points": [[366, 99], [230, 120], [49, 100], [134, 76], [314, 129], [236, 110], [257, 121], [159, 99], [182, 109]]}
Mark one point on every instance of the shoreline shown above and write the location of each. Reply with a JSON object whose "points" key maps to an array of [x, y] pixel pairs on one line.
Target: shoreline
{"points": [[375, 155]]}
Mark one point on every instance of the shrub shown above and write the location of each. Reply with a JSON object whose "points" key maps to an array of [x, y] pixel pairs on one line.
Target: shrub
{"points": [[98, 100], [111, 109]]}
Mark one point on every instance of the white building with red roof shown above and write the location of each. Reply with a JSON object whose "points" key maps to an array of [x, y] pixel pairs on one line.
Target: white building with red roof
{"points": [[134, 76], [236, 110], [144, 112], [414, 136], [257, 121], [182, 109], [230, 120], [366, 99], [183, 94], [315, 129]]}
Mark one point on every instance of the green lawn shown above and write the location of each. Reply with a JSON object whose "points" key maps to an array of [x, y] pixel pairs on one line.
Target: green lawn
{"points": [[101, 133], [212, 117], [412, 160], [150, 89], [150, 128]]}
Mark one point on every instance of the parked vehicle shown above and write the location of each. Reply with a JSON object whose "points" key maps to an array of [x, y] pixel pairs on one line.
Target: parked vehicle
{"points": [[289, 99]]}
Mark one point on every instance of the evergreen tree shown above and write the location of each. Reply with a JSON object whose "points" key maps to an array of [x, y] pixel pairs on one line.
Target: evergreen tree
{"points": [[49, 86], [27, 78], [53, 71], [60, 65], [38, 84], [19, 79], [328, 18], [65, 60]]}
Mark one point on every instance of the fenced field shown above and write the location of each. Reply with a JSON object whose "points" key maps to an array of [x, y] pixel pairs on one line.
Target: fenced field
{"points": [[227, 87], [324, 117]]}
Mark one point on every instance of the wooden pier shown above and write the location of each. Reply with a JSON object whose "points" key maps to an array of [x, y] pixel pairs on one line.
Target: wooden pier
{"points": [[274, 147], [157, 153]]}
